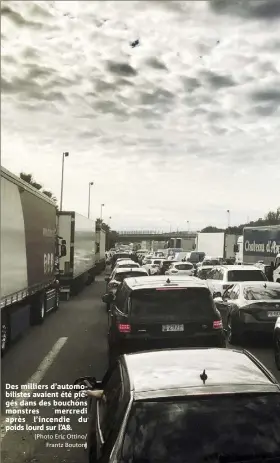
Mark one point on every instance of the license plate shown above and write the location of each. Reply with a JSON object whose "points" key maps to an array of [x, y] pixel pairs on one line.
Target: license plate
{"points": [[274, 313], [172, 327]]}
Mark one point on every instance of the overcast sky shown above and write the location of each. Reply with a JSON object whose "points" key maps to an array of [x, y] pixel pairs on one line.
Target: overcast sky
{"points": [[180, 128]]}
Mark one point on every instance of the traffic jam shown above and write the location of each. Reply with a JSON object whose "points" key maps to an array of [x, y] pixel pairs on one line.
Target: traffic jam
{"points": [[174, 319]]}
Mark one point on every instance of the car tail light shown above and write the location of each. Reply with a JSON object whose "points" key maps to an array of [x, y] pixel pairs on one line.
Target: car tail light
{"points": [[217, 324], [124, 328], [113, 285]]}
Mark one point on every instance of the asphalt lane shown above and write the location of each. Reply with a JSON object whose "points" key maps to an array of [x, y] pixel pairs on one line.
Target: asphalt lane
{"points": [[83, 321]]}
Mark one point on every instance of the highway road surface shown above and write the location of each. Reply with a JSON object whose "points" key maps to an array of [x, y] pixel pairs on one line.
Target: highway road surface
{"points": [[70, 343]]}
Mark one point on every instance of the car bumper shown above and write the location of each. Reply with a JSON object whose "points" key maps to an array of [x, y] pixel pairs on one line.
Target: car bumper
{"points": [[256, 327], [131, 342]]}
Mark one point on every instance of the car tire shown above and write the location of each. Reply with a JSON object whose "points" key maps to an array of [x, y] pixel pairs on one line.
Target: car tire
{"points": [[233, 337]]}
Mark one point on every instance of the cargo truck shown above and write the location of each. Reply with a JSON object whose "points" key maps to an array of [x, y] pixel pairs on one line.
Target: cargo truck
{"points": [[100, 258], [261, 245], [77, 268], [30, 251], [220, 244]]}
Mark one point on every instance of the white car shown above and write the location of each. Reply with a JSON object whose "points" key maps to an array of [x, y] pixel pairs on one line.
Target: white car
{"points": [[223, 276], [180, 268], [152, 266]]}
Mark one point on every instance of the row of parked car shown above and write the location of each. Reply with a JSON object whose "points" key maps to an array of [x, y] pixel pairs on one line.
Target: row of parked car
{"points": [[171, 375]]}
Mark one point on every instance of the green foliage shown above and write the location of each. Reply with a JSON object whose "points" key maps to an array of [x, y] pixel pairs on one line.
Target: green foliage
{"points": [[28, 178], [271, 218]]}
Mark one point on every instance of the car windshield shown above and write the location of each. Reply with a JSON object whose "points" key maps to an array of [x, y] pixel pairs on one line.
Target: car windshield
{"points": [[253, 293], [209, 429], [171, 303], [246, 275], [121, 276]]}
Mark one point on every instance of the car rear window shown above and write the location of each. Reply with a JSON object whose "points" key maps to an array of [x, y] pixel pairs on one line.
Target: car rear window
{"points": [[246, 275], [123, 275], [128, 265], [261, 293], [171, 302], [231, 428], [157, 262]]}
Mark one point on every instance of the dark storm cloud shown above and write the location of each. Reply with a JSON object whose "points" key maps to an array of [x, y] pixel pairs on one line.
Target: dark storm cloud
{"points": [[155, 63], [265, 110], [218, 81], [251, 9], [191, 83], [17, 18], [29, 89], [159, 96], [270, 95], [121, 69]]}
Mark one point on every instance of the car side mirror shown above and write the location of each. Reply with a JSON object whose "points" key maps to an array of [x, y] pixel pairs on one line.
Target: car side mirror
{"points": [[88, 382], [107, 298]]}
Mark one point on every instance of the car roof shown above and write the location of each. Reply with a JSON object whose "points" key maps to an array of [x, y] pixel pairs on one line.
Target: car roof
{"points": [[131, 269], [239, 267], [183, 281], [266, 284], [124, 261], [207, 267], [176, 372]]}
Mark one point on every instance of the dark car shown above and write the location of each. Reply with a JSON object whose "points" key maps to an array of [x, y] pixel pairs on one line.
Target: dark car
{"points": [[164, 266], [249, 307], [276, 342], [184, 406], [203, 272], [119, 255], [157, 311]]}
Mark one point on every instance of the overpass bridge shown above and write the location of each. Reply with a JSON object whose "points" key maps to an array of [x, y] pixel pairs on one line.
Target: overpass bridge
{"points": [[153, 235]]}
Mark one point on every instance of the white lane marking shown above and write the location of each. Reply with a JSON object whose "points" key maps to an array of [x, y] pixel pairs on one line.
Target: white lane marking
{"points": [[35, 378]]}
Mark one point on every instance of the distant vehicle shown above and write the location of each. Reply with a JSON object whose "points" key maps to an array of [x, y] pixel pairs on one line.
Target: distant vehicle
{"points": [[126, 263], [119, 274], [195, 256], [222, 277], [164, 266], [119, 255], [249, 307], [203, 272], [276, 343], [184, 405], [162, 311], [180, 268], [152, 265], [239, 251], [217, 244], [262, 244]]}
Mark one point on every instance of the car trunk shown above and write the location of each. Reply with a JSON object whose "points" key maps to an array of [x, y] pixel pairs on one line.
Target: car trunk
{"points": [[263, 310], [169, 312]]}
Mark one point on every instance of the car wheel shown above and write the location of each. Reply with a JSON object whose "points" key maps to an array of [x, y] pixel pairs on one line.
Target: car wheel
{"points": [[233, 337]]}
